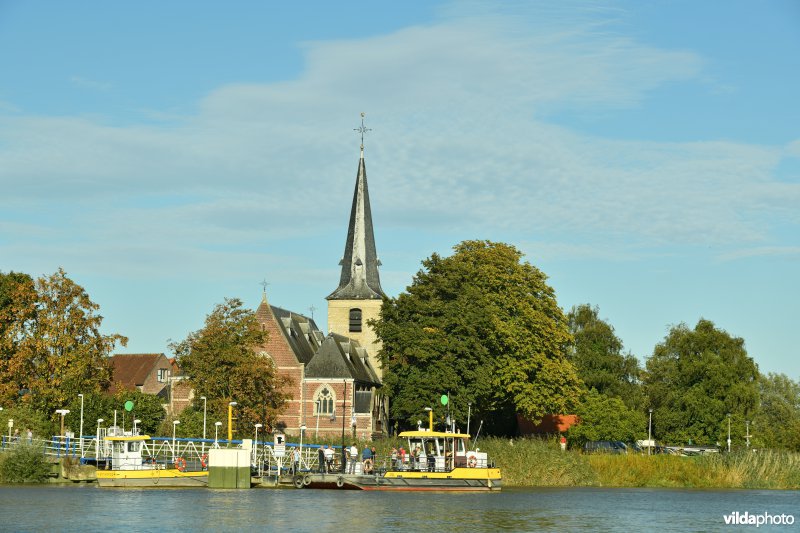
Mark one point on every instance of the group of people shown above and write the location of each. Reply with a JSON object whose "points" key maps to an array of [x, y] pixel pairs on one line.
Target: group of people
{"points": [[28, 435], [325, 456], [411, 460], [350, 459]]}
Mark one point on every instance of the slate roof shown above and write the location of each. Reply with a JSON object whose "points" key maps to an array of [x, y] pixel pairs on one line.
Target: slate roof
{"points": [[131, 370], [301, 332], [331, 357], [359, 279], [341, 357]]}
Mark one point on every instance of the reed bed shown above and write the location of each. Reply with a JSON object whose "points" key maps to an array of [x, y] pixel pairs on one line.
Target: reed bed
{"points": [[541, 463]]}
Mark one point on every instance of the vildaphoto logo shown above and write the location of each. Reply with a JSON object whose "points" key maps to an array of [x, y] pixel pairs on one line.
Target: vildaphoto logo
{"points": [[762, 519]]}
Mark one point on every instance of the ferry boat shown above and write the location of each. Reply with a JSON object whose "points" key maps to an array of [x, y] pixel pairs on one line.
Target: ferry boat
{"points": [[434, 461], [129, 469]]}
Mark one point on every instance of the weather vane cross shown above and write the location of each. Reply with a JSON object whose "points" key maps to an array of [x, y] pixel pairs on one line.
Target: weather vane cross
{"points": [[362, 130], [264, 284]]}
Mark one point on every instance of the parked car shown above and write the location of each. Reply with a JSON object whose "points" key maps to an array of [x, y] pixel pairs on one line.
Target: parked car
{"points": [[605, 446]]}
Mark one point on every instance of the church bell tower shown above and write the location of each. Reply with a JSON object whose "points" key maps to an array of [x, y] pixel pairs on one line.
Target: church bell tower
{"points": [[359, 295]]}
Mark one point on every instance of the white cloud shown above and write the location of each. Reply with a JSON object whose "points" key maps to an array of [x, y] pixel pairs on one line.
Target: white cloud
{"points": [[463, 138]]}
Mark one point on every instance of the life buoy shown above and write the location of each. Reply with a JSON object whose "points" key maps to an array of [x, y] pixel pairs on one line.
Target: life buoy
{"points": [[340, 482], [204, 460], [180, 464], [472, 462], [367, 466]]}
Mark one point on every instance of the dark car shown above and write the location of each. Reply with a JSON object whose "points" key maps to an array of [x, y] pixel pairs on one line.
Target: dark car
{"points": [[605, 446]]}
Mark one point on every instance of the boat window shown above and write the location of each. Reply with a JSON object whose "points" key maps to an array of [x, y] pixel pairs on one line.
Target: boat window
{"points": [[134, 447]]}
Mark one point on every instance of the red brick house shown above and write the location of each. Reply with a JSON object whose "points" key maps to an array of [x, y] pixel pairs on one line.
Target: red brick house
{"points": [[146, 372], [152, 373]]}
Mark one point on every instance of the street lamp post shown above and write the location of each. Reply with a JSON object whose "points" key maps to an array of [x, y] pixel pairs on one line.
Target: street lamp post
{"points": [[729, 433], [80, 432], [63, 413], [136, 421], [469, 414], [650, 432], [318, 404], [302, 430], [747, 433], [204, 425], [230, 421], [216, 434], [97, 445], [255, 444], [174, 428]]}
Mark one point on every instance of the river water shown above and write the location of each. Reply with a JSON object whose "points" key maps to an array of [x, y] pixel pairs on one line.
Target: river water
{"points": [[89, 508]]}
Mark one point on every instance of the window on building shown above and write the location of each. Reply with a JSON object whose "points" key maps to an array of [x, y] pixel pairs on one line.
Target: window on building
{"points": [[363, 399], [355, 320], [162, 375], [324, 402]]}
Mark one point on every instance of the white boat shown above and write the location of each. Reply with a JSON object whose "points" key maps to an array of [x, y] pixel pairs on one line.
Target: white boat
{"points": [[128, 468]]}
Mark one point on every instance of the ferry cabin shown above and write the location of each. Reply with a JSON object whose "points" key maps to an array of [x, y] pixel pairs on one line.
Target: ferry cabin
{"points": [[433, 451]]}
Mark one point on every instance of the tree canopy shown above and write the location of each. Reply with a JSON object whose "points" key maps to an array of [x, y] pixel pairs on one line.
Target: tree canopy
{"points": [[598, 358], [51, 347], [222, 363], [607, 418], [483, 326], [694, 379], [777, 423]]}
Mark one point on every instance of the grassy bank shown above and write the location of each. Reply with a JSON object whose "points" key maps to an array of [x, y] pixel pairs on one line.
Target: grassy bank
{"points": [[532, 462]]}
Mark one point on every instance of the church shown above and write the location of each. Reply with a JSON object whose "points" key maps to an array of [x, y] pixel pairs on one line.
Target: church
{"points": [[335, 377]]}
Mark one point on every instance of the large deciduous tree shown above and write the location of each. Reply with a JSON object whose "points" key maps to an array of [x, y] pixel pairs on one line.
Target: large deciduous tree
{"points": [[483, 326], [51, 345], [607, 418], [222, 363], [694, 379], [777, 423], [597, 355]]}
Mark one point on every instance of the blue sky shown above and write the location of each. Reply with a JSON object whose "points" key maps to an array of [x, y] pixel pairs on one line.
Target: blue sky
{"points": [[645, 155]]}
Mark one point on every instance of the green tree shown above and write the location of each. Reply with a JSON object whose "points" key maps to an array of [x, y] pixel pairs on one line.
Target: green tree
{"points": [[597, 355], [606, 418], [777, 422], [52, 345], [694, 379], [222, 363], [483, 326], [146, 407], [17, 306]]}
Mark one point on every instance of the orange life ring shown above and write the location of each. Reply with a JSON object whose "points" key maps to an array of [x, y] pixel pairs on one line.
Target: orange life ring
{"points": [[180, 464], [204, 460], [472, 462]]}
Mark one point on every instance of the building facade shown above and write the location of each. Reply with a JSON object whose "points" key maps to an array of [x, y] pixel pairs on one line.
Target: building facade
{"points": [[335, 377]]}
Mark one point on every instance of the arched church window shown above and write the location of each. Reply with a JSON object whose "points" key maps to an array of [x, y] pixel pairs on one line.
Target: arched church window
{"points": [[355, 320], [323, 402]]}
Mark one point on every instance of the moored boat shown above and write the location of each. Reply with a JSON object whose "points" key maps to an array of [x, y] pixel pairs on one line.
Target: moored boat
{"points": [[128, 468], [435, 461]]}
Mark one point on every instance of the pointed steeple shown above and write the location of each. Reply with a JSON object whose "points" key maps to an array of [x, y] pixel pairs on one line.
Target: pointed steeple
{"points": [[359, 279]]}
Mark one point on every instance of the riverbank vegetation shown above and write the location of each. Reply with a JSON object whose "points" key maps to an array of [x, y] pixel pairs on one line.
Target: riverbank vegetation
{"points": [[23, 464], [541, 463]]}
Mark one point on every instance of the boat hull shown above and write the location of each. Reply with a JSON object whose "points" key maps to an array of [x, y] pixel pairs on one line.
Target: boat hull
{"points": [[158, 478], [459, 480]]}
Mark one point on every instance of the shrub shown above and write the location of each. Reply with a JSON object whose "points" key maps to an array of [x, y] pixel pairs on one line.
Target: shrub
{"points": [[24, 464]]}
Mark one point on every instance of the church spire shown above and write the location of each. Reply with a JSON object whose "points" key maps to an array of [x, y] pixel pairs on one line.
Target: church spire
{"points": [[359, 279]]}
